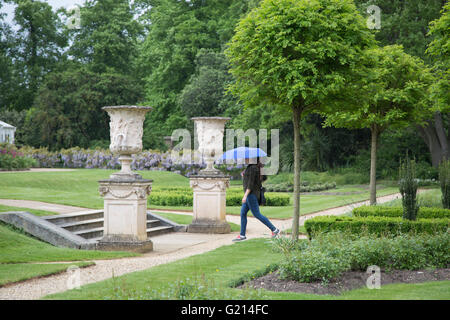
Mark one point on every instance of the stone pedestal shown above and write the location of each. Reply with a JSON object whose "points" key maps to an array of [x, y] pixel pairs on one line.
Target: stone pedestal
{"points": [[209, 204], [125, 214]]}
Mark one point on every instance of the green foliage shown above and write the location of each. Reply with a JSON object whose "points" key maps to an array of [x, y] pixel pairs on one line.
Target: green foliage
{"points": [[408, 189], [38, 47], [168, 58], [184, 198], [379, 211], [444, 178], [404, 22], [107, 39], [203, 95], [375, 225], [287, 52], [438, 49], [329, 255], [12, 159], [68, 107]]}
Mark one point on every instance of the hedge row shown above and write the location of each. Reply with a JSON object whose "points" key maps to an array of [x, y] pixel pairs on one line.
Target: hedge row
{"points": [[380, 226], [304, 188], [378, 211], [165, 198]]}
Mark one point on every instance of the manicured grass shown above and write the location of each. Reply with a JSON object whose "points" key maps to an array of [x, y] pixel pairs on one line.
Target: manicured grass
{"points": [[10, 273], [80, 188], [75, 188], [33, 211], [16, 247], [226, 265], [185, 219], [429, 198], [315, 203], [222, 265]]}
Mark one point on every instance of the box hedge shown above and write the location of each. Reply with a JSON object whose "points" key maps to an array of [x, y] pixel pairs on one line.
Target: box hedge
{"points": [[380, 226], [185, 199], [379, 211]]}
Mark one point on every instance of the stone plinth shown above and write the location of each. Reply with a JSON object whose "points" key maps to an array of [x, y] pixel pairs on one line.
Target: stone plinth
{"points": [[125, 214], [209, 204]]}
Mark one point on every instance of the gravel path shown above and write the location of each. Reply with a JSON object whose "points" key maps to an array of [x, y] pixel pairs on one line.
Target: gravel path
{"points": [[167, 248]]}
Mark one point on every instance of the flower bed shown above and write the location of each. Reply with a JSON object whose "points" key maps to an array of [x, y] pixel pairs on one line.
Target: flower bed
{"points": [[329, 255], [12, 159]]}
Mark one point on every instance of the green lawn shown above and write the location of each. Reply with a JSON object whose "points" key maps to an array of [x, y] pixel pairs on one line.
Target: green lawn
{"points": [[16, 247], [33, 211], [10, 273], [80, 188], [226, 265], [17, 250]]}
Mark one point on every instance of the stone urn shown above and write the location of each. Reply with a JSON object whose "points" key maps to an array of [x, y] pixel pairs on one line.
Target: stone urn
{"points": [[210, 132], [126, 128], [125, 193]]}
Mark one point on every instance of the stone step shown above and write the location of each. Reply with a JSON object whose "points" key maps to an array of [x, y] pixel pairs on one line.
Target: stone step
{"points": [[83, 225], [90, 233], [153, 223], [66, 218], [152, 232]]}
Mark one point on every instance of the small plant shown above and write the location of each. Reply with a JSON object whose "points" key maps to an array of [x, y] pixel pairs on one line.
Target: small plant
{"points": [[444, 178], [408, 189]]}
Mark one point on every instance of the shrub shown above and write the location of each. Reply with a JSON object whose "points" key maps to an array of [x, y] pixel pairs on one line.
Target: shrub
{"points": [[329, 255], [408, 189], [444, 178], [184, 197], [378, 211], [12, 159], [375, 225]]}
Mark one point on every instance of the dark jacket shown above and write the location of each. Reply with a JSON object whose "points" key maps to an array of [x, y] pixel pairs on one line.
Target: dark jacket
{"points": [[252, 180]]}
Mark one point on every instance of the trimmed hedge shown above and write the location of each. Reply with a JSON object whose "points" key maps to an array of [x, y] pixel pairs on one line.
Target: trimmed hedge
{"points": [[380, 226], [378, 211], [185, 199]]}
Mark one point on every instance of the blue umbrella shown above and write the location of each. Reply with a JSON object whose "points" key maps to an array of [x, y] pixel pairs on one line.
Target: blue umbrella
{"points": [[243, 153]]}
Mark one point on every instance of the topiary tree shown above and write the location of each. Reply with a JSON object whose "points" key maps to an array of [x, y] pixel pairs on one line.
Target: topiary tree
{"points": [[408, 189], [444, 178], [392, 93], [296, 55]]}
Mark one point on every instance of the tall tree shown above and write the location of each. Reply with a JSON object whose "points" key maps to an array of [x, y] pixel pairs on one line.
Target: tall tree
{"points": [[108, 36], [437, 133], [67, 111], [297, 54], [407, 23], [6, 64], [178, 30], [39, 46], [394, 88]]}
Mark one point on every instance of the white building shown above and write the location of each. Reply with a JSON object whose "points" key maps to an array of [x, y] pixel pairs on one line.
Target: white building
{"points": [[6, 133]]}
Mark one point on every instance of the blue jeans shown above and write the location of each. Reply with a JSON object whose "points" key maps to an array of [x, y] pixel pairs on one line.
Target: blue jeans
{"points": [[252, 204]]}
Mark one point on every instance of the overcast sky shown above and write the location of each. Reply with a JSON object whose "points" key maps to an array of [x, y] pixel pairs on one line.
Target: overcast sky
{"points": [[9, 9]]}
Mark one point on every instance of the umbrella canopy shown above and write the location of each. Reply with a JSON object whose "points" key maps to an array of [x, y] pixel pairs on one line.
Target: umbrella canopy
{"points": [[243, 153]]}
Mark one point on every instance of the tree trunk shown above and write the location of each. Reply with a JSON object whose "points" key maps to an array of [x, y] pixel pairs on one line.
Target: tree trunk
{"points": [[373, 165], [433, 133], [297, 113]]}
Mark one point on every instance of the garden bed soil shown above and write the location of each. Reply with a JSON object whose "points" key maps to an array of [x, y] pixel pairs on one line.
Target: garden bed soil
{"points": [[348, 281]]}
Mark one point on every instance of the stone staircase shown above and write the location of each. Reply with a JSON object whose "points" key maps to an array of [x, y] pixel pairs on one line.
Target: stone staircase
{"points": [[89, 224]]}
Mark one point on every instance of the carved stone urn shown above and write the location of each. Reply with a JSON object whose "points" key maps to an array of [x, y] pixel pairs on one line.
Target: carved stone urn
{"points": [[210, 132], [209, 186], [125, 193], [126, 129]]}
